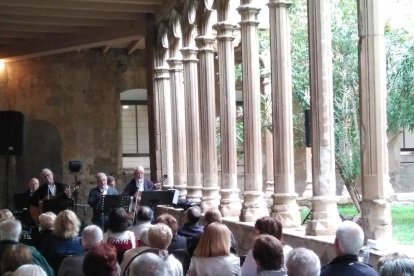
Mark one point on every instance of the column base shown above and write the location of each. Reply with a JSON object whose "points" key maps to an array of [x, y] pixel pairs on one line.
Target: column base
{"points": [[194, 193], [210, 198], [286, 210], [230, 204], [324, 217], [376, 219], [269, 191], [308, 192], [253, 206], [182, 189]]}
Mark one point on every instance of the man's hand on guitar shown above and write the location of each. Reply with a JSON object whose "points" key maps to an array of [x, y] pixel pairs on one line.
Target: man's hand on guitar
{"points": [[137, 196], [157, 185]]}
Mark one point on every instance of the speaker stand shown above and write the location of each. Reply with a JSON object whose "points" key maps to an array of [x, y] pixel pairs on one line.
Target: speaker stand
{"points": [[7, 179]]}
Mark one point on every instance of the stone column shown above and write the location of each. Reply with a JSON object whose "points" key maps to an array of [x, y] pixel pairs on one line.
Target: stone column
{"points": [[325, 216], [285, 207], [254, 205], [162, 88], [178, 110], [376, 211], [205, 41], [269, 183], [230, 205], [190, 62]]}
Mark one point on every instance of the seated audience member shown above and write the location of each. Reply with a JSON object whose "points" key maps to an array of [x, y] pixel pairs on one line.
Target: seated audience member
{"points": [[148, 264], [29, 270], [191, 228], [212, 255], [396, 264], [72, 265], [10, 231], [348, 241], [143, 221], [159, 236], [265, 225], [131, 255], [5, 214], [118, 234], [14, 256], [303, 262], [101, 260], [212, 215], [65, 240], [46, 225], [268, 254], [177, 242]]}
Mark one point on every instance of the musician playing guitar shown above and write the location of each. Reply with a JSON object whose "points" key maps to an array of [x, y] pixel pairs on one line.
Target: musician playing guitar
{"points": [[50, 191], [140, 184]]}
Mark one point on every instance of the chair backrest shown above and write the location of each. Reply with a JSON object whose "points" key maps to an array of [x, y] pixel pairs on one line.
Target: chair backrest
{"points": [[184, 258]]}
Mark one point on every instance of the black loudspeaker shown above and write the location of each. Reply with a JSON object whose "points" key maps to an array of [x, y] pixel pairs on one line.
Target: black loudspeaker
{"points": [[75, 166], [308, 128], [11, 133]]}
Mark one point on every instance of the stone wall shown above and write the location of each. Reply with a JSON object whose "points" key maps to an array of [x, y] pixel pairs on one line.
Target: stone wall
{"points": [[71, 105]]}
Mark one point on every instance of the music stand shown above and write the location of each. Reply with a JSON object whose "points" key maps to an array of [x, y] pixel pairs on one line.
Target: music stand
{"points": [[50, 205], [109, 202], [154, 198], [21, 201]]}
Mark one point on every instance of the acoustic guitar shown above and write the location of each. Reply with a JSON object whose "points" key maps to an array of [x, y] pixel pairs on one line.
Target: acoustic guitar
{"points": [[35, 211]]}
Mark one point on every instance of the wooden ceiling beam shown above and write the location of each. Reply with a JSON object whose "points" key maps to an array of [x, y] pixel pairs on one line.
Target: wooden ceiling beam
{"points": [[62, 44], [57, 21], [22, 35], [58, 12], [36, 28], [134, 45], [84, 5], [106, 48]]}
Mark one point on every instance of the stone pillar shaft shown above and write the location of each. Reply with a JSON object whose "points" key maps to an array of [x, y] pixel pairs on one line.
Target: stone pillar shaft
{"points": [[162, 88], [376, 210], [254, 205], [285, 207], [205, 42], [325, 216], [194, 176], [230, 204], [178, 124]]}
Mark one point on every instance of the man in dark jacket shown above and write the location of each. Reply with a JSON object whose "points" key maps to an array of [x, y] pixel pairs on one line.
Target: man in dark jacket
{"points": [[139, 183], [348, 241], [191, 228], [100, 216]]}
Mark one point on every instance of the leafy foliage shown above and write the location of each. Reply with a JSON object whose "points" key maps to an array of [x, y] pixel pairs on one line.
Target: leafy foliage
{"points": [[400, 76]]}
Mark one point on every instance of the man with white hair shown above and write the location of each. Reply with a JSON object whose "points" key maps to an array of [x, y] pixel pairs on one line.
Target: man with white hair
{"points": [[148, 264], [95, 199], [139, 183], [303, 262], [348, 241], [49, 189], [10, 231], [72, 266]]}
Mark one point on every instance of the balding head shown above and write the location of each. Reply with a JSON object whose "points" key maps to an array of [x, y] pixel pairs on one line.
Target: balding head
{"points": [[193, 214]]}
